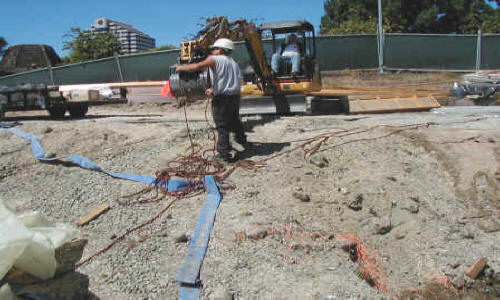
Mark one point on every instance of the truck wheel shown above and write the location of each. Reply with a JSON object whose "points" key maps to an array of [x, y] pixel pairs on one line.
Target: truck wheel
{"points": [[57, 111], [78, 111]]}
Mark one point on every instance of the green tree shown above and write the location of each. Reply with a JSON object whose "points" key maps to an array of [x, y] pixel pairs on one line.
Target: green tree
{"points": [[86, 45], [3, 43], [491, 22], [463, 16], [427, 16]]}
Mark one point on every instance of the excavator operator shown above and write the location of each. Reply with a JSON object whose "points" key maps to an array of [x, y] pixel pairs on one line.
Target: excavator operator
{"points": [[290, 50], [226, 82]]}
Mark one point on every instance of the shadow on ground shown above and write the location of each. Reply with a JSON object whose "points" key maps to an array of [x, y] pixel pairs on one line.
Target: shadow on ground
{"points": [[262, 149], [250, 123]]}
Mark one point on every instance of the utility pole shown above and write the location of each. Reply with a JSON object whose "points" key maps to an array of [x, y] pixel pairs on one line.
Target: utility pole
{"points": [[380, 39]]}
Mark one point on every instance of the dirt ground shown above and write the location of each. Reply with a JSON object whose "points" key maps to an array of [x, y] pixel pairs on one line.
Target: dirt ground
{"points": [[425, 201]]}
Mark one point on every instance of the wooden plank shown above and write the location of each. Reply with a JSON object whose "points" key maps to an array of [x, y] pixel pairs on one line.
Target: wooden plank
{"points": [[93, 214], [477, 268], [113, 85]]}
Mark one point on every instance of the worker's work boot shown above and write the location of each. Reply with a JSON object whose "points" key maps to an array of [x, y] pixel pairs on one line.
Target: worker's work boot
{"points": [[242, 146]]}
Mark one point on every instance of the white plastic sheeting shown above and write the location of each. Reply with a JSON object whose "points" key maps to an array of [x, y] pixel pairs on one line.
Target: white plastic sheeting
{"points": [[28, 242]]}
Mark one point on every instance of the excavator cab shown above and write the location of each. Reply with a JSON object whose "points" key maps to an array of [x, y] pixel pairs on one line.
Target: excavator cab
{"points": [[284, 78], [281, 33]]}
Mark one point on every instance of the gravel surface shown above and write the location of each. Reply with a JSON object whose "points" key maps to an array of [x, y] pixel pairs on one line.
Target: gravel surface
{"points": [[425, 200]]}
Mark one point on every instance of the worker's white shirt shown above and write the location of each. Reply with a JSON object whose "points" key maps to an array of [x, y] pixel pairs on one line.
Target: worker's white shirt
{"points": [[226, 78], [290, 50]]}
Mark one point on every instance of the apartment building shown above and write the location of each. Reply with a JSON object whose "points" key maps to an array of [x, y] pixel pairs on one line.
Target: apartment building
{"points": [[132, 40]]}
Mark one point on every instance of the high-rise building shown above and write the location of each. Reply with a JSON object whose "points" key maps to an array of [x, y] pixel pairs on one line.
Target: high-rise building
{"points": [[132, 40]]}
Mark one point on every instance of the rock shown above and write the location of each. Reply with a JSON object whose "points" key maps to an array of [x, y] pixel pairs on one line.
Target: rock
{"points": [[182, 238], [105, 136], [459, 281], [301, 196], [319, 161], [413, 208], [400, 235], [69, 254], [467, 233], [50, 154], [356, 204], [412, 205], [489, 273], [257, 233], [47, 129], [454, 229], [251, 193], [70, 285], [382, 226], [66, 257], [343, 190]]}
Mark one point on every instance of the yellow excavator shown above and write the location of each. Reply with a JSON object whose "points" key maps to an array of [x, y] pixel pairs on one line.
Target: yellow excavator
{"points": [[282, 92]]}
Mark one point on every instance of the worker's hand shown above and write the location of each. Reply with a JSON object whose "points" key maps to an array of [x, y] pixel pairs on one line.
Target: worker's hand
{"points": [[209, 93], [179, 68]]}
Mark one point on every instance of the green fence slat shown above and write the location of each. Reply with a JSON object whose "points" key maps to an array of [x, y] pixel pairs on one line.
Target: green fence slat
{"points": [[36, 76], [102, 70], [490, 49], [442, 52], [148, 66], [347, 52]]}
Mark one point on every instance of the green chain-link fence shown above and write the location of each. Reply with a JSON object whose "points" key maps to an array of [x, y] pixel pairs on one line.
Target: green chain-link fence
{"points": [[338, 52]]}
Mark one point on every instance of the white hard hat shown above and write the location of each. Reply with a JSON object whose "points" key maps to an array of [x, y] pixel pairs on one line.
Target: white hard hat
{"points": [[224, 44]]}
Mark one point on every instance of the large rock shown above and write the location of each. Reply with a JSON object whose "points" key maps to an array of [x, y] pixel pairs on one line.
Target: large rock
{"points": [[66, 284]]}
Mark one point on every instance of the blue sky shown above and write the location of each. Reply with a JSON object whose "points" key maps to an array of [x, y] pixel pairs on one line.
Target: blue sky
{"points": [[46, 21]]}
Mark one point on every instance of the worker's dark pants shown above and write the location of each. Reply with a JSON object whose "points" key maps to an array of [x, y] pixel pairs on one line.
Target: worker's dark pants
{"points": [[225, 110]]}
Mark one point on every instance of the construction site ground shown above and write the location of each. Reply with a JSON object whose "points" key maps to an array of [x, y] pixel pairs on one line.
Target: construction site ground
{"points": [[425, 200]]}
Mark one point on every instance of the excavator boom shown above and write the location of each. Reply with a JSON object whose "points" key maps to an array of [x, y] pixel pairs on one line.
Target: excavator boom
{"points": [[198, 49]]}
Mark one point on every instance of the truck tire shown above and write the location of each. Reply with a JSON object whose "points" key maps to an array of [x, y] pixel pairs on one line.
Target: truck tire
{"points": [[78, 110], [57, 111]]}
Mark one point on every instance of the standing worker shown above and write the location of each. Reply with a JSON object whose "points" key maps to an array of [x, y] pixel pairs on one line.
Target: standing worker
{"points": [[225, 93]]}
